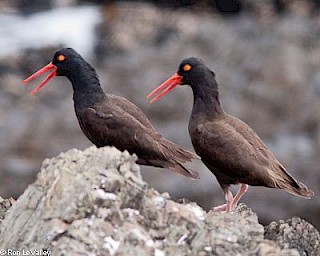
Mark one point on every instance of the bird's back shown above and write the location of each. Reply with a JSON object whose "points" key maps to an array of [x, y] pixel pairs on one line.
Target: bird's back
{"points": [[236, 154], [115, 121]]}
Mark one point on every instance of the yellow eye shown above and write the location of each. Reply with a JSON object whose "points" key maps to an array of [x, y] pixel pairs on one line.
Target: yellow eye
{"points": [[187, 67], [61, 57]]}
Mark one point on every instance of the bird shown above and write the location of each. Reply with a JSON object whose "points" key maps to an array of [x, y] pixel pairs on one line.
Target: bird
{"points": [[110, 120], [230, 149]]}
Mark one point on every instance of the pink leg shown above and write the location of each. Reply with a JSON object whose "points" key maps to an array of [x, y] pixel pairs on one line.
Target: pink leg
{"points": [[225, 207], [243, 188], [232, 202], [219, 208], [229, 199]]}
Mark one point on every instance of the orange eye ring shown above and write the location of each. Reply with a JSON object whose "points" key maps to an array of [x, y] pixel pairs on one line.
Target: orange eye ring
{"points": [[61, 57], [187, 67]]}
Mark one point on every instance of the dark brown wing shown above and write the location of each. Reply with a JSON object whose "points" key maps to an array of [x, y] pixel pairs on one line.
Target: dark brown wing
{"points": [[115, 123], [237, 155], [131, 109]]}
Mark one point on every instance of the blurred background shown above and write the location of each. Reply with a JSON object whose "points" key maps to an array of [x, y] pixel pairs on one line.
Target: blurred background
{"points": [[265, 54]]}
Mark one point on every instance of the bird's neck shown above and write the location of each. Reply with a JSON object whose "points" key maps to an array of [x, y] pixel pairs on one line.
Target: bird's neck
{"points": [[206, 98], [86, 88]]}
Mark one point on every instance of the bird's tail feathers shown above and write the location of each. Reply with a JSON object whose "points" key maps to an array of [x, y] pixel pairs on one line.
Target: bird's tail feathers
{"points": [[286, 182], [179, 168], [174, 158], [300, 190], [180, 155], [175, 167], [177, 156]]}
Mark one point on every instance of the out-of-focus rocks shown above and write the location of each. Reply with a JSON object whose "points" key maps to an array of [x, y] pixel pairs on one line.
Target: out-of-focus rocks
{"points": [[290, 232]]}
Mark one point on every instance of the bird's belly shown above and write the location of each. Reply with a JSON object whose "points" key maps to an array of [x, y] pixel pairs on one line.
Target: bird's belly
{"points": [[97, 138], [228, 172], [104, 138], [224, 174]]}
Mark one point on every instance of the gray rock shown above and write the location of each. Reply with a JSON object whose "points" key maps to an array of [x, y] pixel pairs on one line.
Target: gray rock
{"points": [[5, 205], [94, 202], [295, 233]]}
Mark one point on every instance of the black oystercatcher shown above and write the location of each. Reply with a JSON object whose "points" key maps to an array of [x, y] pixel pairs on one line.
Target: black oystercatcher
{"points": [[227, 146], [109, 120]]}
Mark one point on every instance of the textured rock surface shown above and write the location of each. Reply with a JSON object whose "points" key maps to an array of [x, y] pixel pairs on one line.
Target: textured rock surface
{"points": [[289, 234], [5, 204], [94, 202]]}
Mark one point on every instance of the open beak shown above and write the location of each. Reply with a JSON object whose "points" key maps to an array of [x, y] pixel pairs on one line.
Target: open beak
{"points": [[47, 68], [170, 84]]}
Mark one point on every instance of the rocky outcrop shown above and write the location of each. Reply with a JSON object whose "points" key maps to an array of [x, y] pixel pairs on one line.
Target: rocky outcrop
{"points": [[288, 234], [94, 202], [5, 204]]}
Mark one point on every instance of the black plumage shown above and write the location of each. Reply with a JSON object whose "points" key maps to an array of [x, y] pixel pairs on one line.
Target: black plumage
{"points": [[109, 120], [231, 150]]}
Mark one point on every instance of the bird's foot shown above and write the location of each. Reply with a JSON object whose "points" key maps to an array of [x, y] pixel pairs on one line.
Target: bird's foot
{"points": [[232, 202], [219, 208], [223, 208]]}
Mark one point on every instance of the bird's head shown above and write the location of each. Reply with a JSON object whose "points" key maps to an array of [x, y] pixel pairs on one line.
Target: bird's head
{"points": [[65, 62], [191, 71]]}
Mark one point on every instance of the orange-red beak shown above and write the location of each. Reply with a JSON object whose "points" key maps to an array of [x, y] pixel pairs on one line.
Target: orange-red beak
{"points": [[170, 83], [48, 67]]}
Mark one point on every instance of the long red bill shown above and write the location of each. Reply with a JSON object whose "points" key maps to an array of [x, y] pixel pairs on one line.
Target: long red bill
{"points": [[170, 84], [48, 67]]}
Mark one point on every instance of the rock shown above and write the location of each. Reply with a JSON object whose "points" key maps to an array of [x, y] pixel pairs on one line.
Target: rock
{"points": [[295, 233], [94, 202], [5, 205]]}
